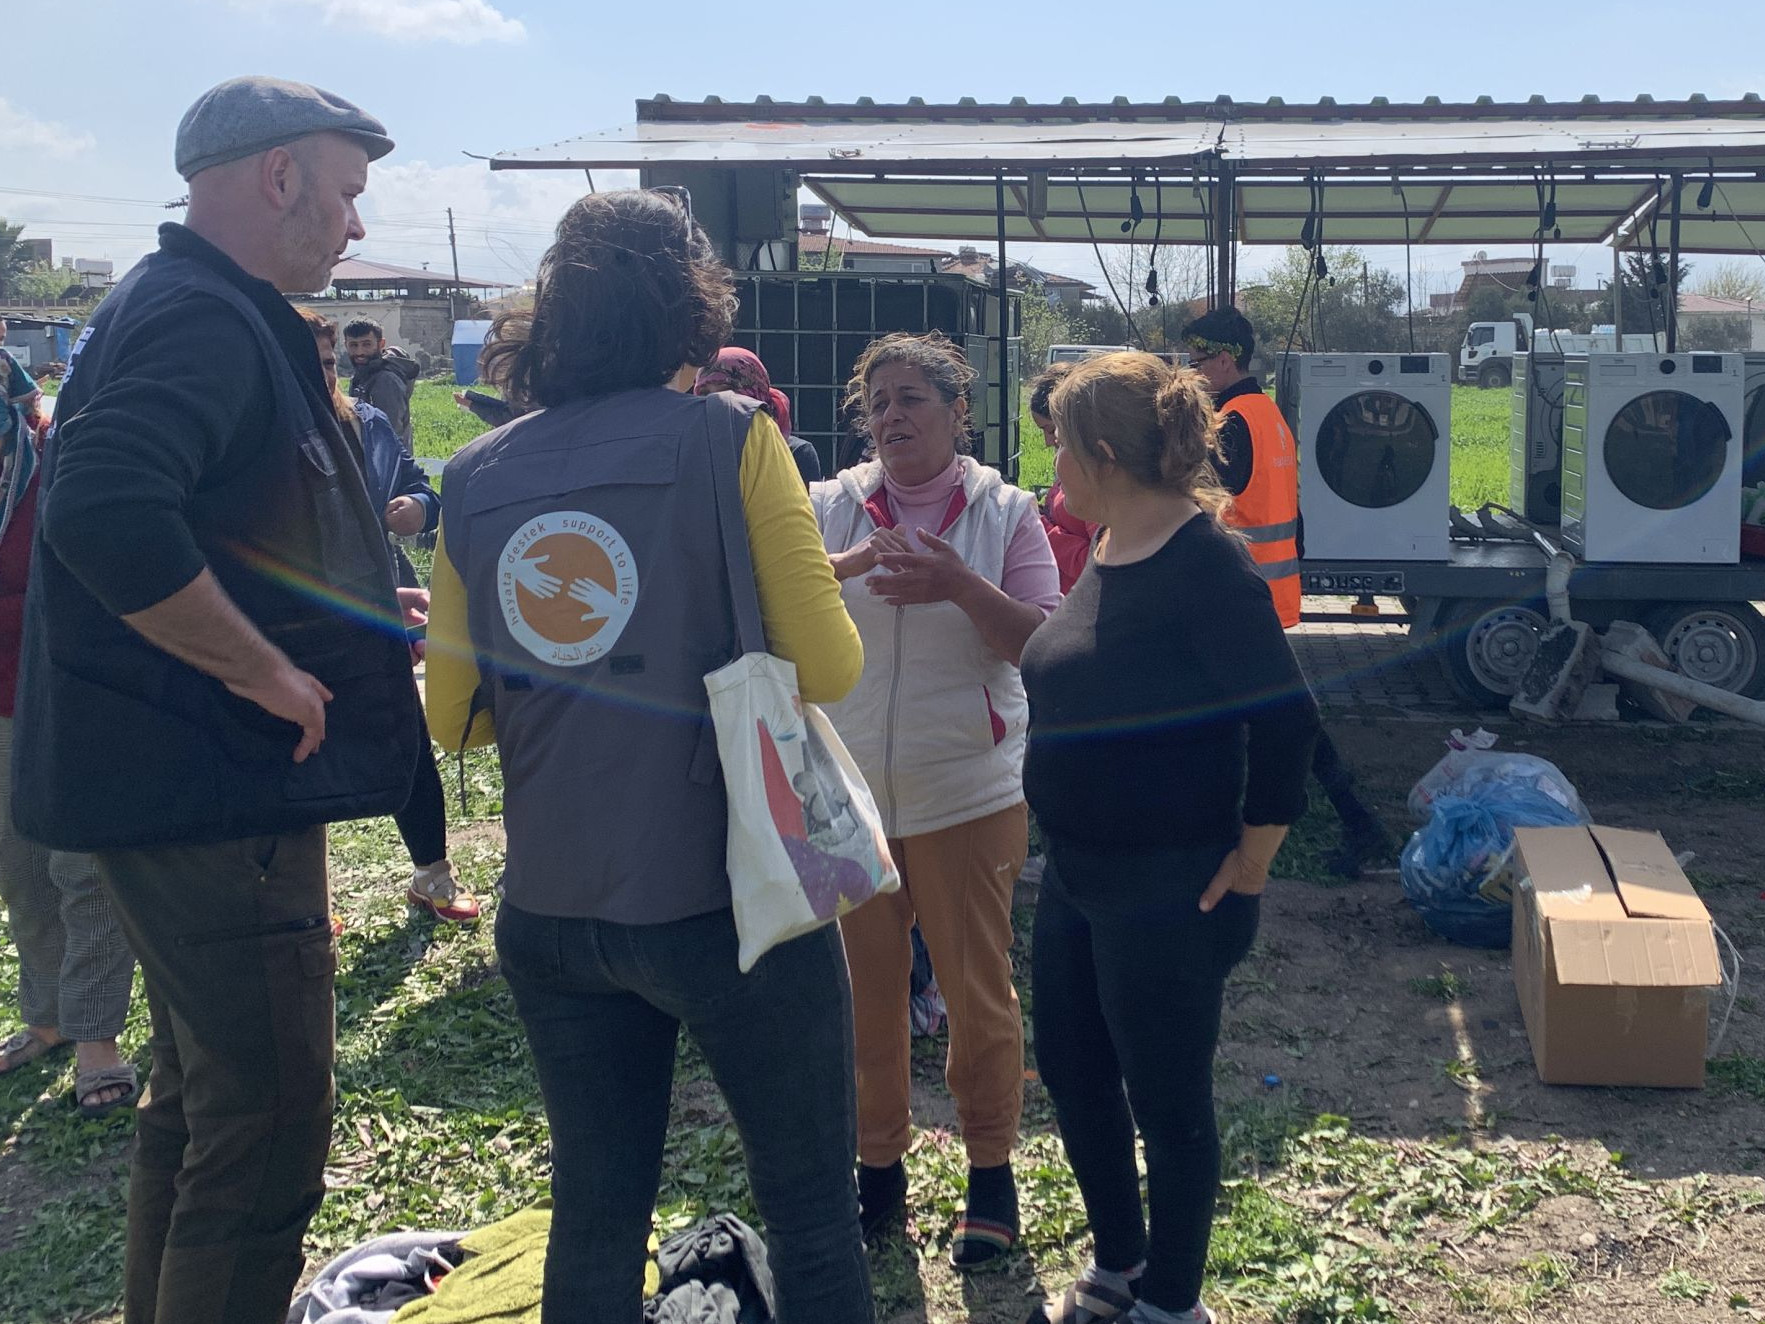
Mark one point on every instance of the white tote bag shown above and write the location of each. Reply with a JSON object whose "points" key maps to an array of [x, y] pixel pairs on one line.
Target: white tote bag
{"points": [[806, 843]]}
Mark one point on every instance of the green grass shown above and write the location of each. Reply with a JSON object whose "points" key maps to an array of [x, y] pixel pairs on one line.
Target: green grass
{"points": [[439, 427], [1479, 462]]}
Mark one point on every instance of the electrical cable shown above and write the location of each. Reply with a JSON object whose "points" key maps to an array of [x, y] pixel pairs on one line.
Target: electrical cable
{"points": [[1085, 211]]}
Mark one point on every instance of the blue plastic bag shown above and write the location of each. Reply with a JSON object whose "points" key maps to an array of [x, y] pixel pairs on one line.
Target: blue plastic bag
{"points": [[1455, 868]]}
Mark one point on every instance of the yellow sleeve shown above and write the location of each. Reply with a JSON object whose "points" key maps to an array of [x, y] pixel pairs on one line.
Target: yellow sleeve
{"points": [[451, 667], [800, 606]]}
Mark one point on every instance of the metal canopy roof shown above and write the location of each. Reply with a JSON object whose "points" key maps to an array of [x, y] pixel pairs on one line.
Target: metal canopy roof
{"points": [[1465, 212], [1470, 172]]}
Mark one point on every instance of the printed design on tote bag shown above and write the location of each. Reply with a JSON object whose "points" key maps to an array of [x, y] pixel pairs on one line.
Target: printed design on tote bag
{"points": [[833, 856], [567, 583]]}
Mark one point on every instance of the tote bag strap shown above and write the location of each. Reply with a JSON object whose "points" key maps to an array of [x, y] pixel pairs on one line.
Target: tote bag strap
{"points": [[732, 523]]}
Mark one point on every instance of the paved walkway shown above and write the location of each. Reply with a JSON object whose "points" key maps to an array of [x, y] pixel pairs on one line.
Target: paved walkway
{"points": [[1372, 667]]}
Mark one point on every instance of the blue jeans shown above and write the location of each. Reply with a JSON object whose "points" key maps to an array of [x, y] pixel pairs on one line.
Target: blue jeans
{"points": [[602, 1004]]}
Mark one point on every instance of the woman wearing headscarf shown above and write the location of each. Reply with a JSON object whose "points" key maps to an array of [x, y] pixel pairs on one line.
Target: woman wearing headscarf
{"points": [[740, 372]]}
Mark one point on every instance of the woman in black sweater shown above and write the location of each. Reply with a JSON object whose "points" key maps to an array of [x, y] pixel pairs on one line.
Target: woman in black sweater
{"points": [[1170, 736]]}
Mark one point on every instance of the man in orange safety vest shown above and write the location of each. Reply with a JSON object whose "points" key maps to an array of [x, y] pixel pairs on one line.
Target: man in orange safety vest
{"points": [[1259, 466]]}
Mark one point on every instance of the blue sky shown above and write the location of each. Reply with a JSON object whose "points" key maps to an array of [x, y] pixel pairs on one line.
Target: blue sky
{"points": [[456, 76]]}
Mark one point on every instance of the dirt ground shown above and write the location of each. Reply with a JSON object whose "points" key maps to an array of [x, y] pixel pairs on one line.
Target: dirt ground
{"points": [[1327, 1004]]}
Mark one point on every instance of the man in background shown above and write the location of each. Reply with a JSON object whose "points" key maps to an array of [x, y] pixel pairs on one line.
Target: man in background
{"points": [[381, 374], [1259, 466]]}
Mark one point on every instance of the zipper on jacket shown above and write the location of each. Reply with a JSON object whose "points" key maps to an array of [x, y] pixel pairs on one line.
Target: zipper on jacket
{"points": [[254, 931], [890, 720]]}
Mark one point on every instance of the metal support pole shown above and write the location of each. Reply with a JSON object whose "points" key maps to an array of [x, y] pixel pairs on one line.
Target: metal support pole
{"points": [[1225, 211], [1006, 412], [1673, 268], [1617, 294]]}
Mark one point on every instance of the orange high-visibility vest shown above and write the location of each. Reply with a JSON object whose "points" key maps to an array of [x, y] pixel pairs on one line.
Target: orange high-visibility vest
{"points": [[1268, 510]]}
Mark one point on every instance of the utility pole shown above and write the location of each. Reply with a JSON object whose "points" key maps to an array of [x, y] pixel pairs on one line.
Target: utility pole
{"points": [[454, 248]]}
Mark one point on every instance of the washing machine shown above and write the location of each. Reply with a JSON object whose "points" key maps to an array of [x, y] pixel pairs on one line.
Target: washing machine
{"points": [[1652, 457], [1374, 439], [1752, 465], [1535, 438]]}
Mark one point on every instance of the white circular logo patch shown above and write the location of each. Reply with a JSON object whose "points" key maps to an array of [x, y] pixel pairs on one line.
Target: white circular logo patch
{"points": [[568, 584]]}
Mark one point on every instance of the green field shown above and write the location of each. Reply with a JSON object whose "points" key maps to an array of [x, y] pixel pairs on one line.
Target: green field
{"points": [[1479, 448]]}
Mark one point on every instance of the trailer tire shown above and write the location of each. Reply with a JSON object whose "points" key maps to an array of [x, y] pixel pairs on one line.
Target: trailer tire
{"points": [[1496, 376], [1486, 647], [1719, 643]]}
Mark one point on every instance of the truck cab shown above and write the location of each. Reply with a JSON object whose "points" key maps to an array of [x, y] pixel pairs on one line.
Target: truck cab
{"points": [[1486, 357]]}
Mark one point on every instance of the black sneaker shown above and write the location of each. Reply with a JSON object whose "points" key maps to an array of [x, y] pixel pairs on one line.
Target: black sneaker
{"points": [[882, 1194], [1364, 842]]}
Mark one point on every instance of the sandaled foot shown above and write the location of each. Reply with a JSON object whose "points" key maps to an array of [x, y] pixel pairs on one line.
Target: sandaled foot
{"points": [[987, 1229], [102, 1090], [436, 888], [25, 1047], [1098, 1297]]}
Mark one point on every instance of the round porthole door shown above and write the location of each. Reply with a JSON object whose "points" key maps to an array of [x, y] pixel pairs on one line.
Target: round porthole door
{"points": [[1666, 450], [1377, 448]]}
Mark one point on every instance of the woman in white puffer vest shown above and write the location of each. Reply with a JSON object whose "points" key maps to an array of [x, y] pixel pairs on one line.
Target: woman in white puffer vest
{"points": [[946, 570]]}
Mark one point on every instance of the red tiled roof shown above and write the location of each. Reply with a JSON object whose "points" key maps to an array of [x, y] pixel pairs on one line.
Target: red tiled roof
{"points": [[1706, 303], [817, 243], [360, 269]]}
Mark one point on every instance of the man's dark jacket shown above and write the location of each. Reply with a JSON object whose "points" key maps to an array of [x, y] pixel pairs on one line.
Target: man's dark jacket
{"points": [[385, 381], [194, 430]]}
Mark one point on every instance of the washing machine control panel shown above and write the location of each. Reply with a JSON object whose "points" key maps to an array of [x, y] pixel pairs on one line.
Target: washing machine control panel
{"points": [[1387, 582]]}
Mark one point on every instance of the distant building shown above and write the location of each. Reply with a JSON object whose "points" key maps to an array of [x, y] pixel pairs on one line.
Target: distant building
{"points": [[416, 307], [865, 254], [1698, 311], [1066, 291]]}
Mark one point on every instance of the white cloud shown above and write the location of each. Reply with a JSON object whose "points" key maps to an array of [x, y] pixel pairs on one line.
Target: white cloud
{"points": [[463, 22], [503, 219], [22, 132]]}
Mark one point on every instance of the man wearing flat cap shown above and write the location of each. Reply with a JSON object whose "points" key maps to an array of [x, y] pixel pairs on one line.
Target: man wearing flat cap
{"points": [[215, 667]]}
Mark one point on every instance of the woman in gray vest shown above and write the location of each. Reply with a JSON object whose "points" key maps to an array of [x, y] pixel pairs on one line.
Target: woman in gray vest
{"points": [[580, 597]]}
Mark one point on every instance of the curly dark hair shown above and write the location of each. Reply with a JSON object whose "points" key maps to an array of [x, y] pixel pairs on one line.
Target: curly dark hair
{"points": [[629, 292], [937, 358]]}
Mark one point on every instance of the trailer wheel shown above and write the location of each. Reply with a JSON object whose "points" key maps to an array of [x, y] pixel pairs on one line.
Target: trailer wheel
{"points": [[1486, 649], [1496, 376], [1719, 643]]}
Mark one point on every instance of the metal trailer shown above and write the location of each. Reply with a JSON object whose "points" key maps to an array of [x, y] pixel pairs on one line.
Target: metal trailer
{"points": [[1480, 611]]}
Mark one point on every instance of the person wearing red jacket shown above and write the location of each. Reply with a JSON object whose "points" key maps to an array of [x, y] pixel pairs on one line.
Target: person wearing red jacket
{"points": [[1069, 536]]}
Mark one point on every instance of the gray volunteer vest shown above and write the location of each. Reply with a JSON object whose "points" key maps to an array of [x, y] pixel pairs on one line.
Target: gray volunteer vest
{"points": [[596, 600]]}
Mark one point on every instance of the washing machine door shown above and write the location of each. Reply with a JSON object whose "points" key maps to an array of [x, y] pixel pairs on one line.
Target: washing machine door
{"points": [[1666, 450], [1753, 439], [1376, 449]]}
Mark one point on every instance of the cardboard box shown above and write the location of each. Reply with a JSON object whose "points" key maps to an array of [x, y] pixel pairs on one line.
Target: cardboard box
{"points": [[1613, 958]]}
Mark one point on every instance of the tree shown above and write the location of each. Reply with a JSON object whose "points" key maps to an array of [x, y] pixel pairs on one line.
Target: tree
{"points": [[14, 259], [1182, 278], [1723, 333], [1045, 323], [1742, 281], [46, 284], [1644, 290], [1352, 307]]}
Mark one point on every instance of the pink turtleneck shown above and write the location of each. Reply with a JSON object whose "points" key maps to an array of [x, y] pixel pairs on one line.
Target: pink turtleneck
{"points": [[1030, 573]]}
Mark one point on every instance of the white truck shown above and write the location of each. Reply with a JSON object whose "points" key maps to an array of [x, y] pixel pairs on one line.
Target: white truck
{"points": [[1486, 358]]}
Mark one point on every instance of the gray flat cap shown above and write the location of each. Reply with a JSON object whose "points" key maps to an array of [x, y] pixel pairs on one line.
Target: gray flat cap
{"points": [[244, 116]]}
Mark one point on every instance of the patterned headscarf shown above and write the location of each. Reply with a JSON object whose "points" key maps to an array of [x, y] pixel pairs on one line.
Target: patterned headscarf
{"points": [[740, 371]]}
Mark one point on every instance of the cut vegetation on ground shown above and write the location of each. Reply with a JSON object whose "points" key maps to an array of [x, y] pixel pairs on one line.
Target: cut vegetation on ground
{"points": [[1404, 1165]]}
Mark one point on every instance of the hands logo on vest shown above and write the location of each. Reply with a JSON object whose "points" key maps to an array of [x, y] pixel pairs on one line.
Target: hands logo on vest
{"points": [[567, 582]]}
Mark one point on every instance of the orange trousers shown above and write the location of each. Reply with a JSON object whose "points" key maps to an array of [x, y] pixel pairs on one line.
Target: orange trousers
{"points": [[957, 882]]}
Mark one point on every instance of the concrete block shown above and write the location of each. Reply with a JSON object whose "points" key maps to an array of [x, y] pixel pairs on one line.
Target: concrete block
{"points": [[1599, 703], [1628, 639], [1566, 663]]}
